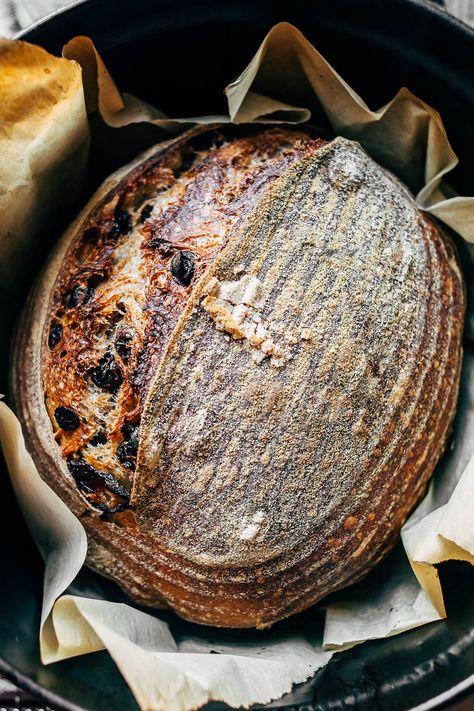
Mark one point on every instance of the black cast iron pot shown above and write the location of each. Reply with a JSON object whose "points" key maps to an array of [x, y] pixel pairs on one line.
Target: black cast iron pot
{"points": [[378, 46]]}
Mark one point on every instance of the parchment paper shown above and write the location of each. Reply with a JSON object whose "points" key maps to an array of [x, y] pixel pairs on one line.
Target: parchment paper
{"points": [[171, 673], [44, 139]]}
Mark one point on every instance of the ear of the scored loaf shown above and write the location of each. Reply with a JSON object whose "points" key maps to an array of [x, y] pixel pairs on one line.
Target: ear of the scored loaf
{"points": [[308, 388]]}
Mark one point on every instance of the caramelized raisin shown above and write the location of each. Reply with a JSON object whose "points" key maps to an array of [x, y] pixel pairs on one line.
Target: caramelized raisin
{"points": [[95, 279], [122, 223], [123, 456], [55, 334], [91, 234], [107, 374], [123, 345], [106, 510], [79, 295], [66, 418], [146, 212], [127, 451], [98, 438], [182, 267], [90, 480], [130, 433]]}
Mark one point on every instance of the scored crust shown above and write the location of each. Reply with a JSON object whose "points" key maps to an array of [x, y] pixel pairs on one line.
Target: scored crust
{"points": [[125, 281], [270, 323]]}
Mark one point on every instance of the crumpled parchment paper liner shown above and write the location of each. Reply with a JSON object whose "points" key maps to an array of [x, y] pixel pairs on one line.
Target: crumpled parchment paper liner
{"points": [[408, 137], [445, 533], [387, 603], [166, 675], [44, 140]]}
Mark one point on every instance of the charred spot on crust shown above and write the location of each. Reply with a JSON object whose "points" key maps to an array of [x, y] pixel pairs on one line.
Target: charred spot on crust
{"points": [[107, 374], [55, 334], [182, 267], [122, 223], [66, 418], [127, 451]]}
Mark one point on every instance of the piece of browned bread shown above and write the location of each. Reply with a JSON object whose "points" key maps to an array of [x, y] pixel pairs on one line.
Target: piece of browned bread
{"points": [[240, 368]]}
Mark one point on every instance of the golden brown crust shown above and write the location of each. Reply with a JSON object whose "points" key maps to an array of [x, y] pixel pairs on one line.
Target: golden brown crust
{"points": [[296, 394], [125, 281]]}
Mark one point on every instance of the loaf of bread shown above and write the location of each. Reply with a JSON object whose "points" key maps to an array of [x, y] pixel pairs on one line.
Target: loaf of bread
{"points": [[239, 369]]}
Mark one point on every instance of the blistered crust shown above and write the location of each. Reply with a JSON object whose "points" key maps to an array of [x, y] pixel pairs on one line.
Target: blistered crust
{"points": [[295, 384]]}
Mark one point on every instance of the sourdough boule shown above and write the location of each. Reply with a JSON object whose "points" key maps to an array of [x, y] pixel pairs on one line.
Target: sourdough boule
{"points": [[239, 369]]}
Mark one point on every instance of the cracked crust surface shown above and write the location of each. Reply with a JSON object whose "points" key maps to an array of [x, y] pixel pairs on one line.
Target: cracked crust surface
{"points": [[255, 335]]}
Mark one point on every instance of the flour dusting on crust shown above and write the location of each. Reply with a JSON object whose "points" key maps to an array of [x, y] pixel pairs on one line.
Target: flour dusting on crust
{"points": [[234, 308]]}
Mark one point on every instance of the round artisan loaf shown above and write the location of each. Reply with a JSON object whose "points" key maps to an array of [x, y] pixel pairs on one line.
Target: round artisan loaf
{"points": [[240, 368]]}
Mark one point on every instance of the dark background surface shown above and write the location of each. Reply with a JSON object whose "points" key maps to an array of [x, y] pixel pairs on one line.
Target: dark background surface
{"points": [[376, 46]]}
